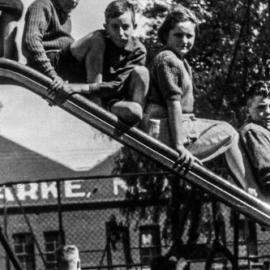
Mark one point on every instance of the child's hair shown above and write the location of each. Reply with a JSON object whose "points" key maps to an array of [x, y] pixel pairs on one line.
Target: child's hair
{"points": [[119, 7], [67, 255], [259, 88], [181, 14]]}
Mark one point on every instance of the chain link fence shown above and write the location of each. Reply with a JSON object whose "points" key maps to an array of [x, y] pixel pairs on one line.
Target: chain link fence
{"points": [[113, 232]]}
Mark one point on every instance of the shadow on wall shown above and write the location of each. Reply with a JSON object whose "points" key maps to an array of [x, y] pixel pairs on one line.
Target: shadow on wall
{"points": [[18, 163]]}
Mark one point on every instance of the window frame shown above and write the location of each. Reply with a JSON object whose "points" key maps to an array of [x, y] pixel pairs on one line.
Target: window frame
{"points": [[51, 264], [27, 254], [155, 249]]}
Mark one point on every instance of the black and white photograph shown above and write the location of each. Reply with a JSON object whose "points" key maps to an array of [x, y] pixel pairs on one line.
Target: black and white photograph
{"points": [[134, 134]]}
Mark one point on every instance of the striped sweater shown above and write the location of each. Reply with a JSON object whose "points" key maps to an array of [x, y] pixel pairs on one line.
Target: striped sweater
{"points": [[47, 29]]}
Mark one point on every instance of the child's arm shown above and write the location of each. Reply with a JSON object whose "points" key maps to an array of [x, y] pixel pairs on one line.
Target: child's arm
{"points": [[175, 124], [36, 23], [175, 116]]}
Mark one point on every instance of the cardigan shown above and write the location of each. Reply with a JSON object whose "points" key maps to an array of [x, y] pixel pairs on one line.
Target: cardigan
{"points": [[171, 79]]}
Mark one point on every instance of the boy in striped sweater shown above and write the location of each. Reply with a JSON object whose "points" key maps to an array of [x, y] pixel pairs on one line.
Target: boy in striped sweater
{"points": [[47, 38]]}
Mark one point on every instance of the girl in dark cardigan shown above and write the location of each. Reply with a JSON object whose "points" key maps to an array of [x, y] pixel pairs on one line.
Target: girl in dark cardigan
{"points": [[169, 111]]}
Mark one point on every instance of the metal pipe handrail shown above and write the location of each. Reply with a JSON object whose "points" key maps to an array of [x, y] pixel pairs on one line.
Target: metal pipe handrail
{"points": [[87, 111]]}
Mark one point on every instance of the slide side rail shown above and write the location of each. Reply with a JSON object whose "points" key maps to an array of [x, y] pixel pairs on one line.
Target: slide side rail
{"points": [[12, 72]]}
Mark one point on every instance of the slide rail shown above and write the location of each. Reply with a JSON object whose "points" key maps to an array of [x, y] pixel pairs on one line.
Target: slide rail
{"points": [[12, 72]]}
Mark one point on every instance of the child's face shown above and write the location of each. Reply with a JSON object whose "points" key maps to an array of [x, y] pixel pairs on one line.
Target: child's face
{"points": [[259, 111], [68, 5], [181, 38], [120, 29]]}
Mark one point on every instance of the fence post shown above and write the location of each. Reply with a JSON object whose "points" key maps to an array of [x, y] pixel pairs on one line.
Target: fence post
{"points": [[13, 258], [108, 245], [60, 216], [28, 223], [6, 224]]}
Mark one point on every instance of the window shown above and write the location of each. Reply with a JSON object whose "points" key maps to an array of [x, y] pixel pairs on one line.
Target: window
{"points": [[247, 238], [149, 243], [24, 249], [52, 242]]}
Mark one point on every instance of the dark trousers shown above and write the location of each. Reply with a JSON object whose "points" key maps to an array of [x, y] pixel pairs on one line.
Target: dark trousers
{"points": [[66, 66]]}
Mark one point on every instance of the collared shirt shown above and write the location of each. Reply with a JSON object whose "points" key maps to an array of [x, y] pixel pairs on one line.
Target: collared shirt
{"points": [[47, 28], [117, 66], [14, 7], [171, 79], [256, 141]]}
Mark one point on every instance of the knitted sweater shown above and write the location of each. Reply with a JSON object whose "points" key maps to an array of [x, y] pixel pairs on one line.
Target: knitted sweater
{"points": [[171, 79], [47, 29]]}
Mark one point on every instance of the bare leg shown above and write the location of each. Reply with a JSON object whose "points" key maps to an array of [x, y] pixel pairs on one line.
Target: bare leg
{"points": [[94, 65], [90, 51], [8, 32], [131, 110]]}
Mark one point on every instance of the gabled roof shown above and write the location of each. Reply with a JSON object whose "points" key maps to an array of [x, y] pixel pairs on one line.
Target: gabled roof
{"points": [[18, 163]]}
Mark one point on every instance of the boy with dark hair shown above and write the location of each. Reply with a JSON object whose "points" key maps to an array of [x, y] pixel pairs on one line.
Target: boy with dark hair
{"points": [[125, 79], [47, 38], [255, 133]]}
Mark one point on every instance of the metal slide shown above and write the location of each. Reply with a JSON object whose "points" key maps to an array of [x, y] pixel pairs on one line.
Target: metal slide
{"points": [[13, 73]]}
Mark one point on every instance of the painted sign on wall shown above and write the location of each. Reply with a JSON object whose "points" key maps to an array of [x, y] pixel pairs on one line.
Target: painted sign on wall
{"points": [[78, 190]]}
